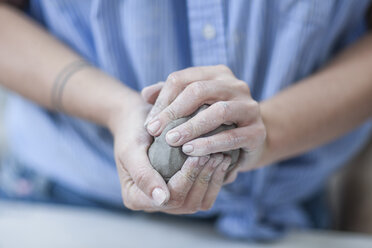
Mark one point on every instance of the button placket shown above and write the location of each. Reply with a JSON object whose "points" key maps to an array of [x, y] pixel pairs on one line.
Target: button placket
{"points": [[206, 28]]}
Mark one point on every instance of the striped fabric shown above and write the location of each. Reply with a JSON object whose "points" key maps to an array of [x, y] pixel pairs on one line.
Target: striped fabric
{"points": [[268, 44]]}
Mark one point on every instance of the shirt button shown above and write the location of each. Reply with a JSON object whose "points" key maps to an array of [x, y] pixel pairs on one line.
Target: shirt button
{"points": [[209, 32]]}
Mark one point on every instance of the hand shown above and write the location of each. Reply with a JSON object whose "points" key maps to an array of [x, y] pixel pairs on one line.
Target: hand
{"points": [[194, 187], [142, 186], [231, 102]]}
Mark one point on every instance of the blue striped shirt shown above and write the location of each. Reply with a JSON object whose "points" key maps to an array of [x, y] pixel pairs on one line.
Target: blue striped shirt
{"points": [[268, 44]]}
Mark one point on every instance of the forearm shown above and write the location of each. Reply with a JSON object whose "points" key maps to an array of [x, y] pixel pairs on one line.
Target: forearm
{"points": [[321, 107], [31, 59]]}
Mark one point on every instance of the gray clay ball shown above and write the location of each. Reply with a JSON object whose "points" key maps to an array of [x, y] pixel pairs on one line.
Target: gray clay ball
{"points": [[167, 160]]}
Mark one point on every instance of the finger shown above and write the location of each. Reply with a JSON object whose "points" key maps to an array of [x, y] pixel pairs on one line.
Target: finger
{"points": [[196, 195], [176, 82], [169, 91], [230, 177], [180, 184], [232, 173], [145, 176], [200, 73], [150, 93], [133, 197], [238, 112], [191, 98], [249, 137], [215, 184]]}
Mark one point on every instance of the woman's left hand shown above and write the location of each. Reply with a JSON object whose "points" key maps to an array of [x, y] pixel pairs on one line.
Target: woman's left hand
{"points": [[230, 102]]}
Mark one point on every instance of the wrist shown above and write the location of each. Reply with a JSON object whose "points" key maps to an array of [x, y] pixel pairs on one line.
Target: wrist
{"points": [[269, 153], [264, 154], [95, 96], [121, 105]]}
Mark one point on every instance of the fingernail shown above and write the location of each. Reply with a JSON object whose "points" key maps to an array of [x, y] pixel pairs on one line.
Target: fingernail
{"points": [[159, 196], [203, 160], [153, 126], [173, 137], [187, 148]]}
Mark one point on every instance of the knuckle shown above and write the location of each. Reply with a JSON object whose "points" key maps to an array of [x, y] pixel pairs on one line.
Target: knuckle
{"points": [[159, 106], [242, 86], [234, 139], [171, 113], [223, 110], [190, 176], [253, 107], [191, 129], [173, 78], [197, 89], [178, 200], [217, 181], [224, 69], [174, 81], [197, 125], [219, 158], [204, 179], [208, 144], [206, 206], [141, 178]]}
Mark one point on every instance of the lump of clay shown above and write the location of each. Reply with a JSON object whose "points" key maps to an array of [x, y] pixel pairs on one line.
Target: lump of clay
{"points": [[167, 160]]}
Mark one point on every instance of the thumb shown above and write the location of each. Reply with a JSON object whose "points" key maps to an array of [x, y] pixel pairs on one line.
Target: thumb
{"points": [[150, 93], [146, 178]]}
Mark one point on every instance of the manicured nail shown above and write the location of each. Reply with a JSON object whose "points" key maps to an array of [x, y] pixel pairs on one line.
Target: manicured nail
{"points": [[153, 126], [173, 137], [187, 148], [203, 160], [159, 196]]}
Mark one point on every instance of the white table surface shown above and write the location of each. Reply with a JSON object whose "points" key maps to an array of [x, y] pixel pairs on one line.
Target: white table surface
{"points": [[37, 225]]}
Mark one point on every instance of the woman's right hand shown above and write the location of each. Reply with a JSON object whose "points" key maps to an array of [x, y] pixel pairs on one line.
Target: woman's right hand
{"points": [[143, 188]]}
